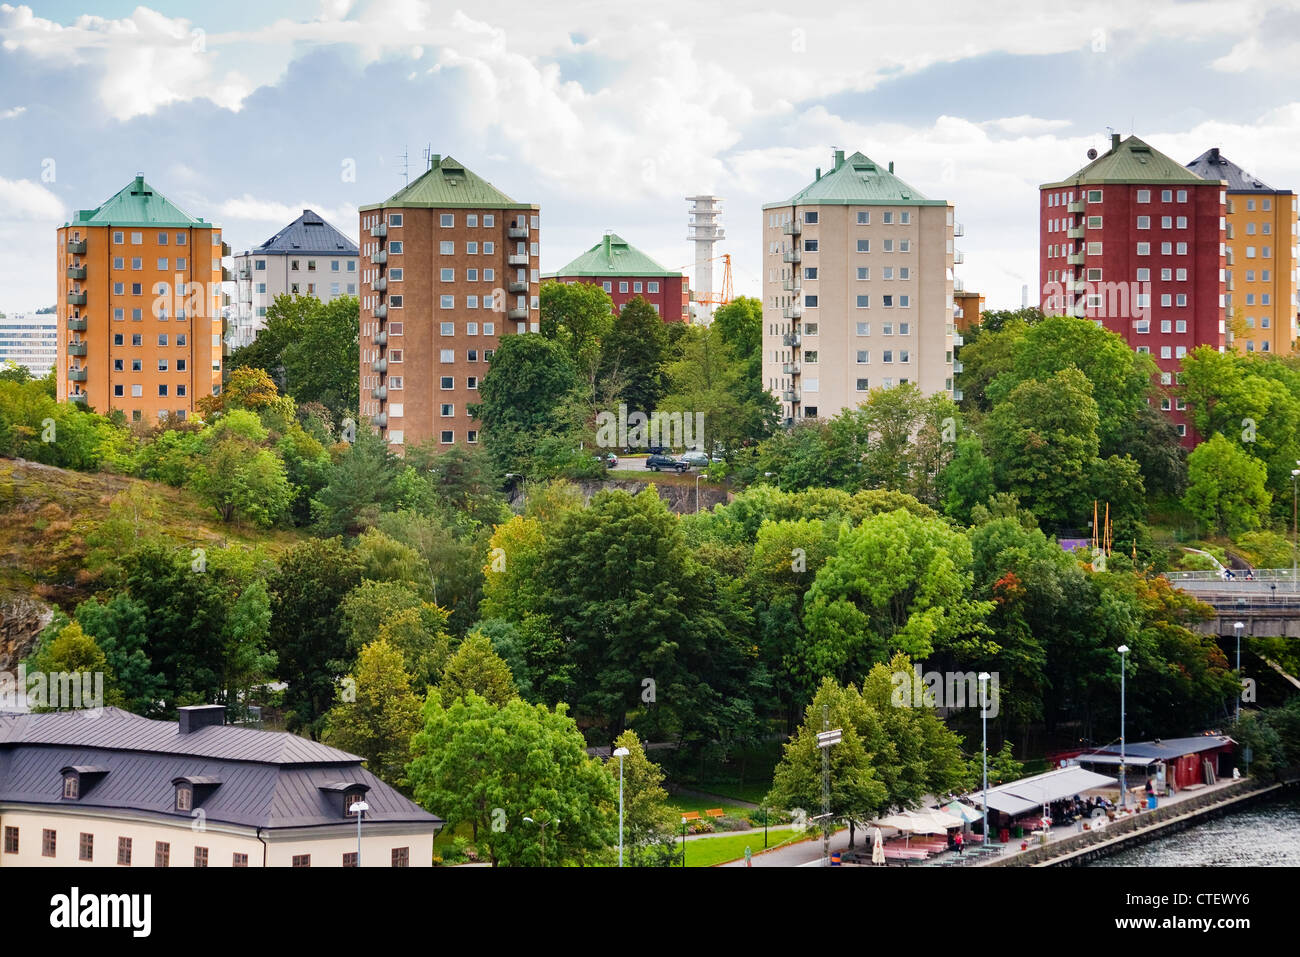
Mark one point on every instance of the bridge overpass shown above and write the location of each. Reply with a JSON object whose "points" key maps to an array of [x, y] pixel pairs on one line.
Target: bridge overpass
{"points": [[1268, 605]]}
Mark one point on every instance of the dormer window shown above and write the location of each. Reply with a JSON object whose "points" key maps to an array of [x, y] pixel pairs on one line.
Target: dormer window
{"points": [[192, 790], [350, 798], [78, 779], [184, 797]]}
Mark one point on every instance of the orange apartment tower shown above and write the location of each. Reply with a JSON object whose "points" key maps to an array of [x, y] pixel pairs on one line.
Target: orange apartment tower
{"points": [[139, 307], [449, 266]]}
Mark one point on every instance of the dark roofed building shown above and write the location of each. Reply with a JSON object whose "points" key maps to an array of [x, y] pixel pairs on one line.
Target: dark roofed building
{"points": [[308, 257], [193, 793]]}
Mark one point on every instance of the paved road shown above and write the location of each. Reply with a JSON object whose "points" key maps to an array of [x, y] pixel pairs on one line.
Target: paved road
{"points": [[805, 854]]}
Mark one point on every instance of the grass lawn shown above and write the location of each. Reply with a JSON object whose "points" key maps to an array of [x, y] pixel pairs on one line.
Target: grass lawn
{"points": [[754, 792], [689, 802], [707, 851]]}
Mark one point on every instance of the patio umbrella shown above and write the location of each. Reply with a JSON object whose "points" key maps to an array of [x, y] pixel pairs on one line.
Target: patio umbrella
{"points": [[942, 818], [877, 847], [967, 814]]}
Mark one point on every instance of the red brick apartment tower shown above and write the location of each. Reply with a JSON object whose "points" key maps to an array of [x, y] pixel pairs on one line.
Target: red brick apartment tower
{"points": [[1135, 242], [625, 272], [449, 266]]}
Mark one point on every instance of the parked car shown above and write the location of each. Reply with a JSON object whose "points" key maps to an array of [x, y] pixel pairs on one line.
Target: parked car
{"points": [[651, 449], [611, 460], [696, 460], [657, 462]]}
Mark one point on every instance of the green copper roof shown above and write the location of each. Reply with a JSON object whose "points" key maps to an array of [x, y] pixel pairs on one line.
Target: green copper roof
{"points": [[614, 256], [447, 183], [137, 204], [858, 181], [1131, 161]]}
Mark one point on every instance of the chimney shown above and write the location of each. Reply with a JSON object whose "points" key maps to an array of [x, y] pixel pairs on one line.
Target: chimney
{"points": [[1214, 154], [891, 166], [1114, 141], [435, 160], [819, 172], [196, 717], [839, 158]]}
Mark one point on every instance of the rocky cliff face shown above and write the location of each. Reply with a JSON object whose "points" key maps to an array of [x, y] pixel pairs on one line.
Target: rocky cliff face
{"points": [[679, 498], [21, 619]]}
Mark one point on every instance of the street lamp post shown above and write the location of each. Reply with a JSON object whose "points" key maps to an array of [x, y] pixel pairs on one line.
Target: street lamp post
{"points": [[620, 753], [1295, 474], [542, 826], [359, 808], [1123, 777], [1238, 628], [984, 715], [698, 476]]}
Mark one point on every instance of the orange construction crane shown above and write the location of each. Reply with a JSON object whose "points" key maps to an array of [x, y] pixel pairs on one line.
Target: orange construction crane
{"points": [[719, 298]]}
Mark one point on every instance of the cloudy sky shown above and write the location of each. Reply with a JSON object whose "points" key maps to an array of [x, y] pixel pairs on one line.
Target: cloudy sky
{"points": [[607, 114]]}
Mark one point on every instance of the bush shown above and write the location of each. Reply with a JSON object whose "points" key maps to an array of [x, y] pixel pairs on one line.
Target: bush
{"points": [[1265, 549]]}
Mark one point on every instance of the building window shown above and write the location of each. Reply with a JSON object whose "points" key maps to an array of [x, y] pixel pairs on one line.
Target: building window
{"points": [[861, 385], [11, 840], [302, 860], [184, 797], [401, 857], [200, 857], [70, 787], [447, 220], [472, 436], [48, 838], [124, 851], [86, 849], [446, 437], [241, 860], [162, 853], [349, 858]]}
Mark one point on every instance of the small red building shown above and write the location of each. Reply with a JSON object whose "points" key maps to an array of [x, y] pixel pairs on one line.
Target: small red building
{"points": [[1183, 758], [624, 272]]}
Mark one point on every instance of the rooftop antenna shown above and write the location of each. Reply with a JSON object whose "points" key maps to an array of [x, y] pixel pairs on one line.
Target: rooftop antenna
{"points": [[406, 166], [428, 157]]}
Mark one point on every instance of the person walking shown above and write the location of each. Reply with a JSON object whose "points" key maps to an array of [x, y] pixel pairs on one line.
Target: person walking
{"points": [[958, 841]]}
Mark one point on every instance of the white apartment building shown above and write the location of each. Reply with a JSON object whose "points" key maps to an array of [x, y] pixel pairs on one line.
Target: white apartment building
{"points": [[857, 290], [31, 341]]}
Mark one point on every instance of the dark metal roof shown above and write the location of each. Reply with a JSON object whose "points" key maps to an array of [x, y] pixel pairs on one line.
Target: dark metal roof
{"points": [[243, 789], [1176, 747], [309, 233], [120, 730], [1214, 165]]}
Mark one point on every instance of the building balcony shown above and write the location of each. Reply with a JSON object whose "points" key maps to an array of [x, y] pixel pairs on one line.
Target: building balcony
{"points": [[77, 397], [958, 312], [958, 285], [77, 247], [791, 285], [1076, 259], [77, 324], [379, 230], [957, 367], [792, 228], [77, 375], [225, 250], [517, 314], [380, 257], [790, 395], [379, 365], [1079, 285], [958, 257], [1075, 207], [245, 273], [227, 275], [380, 284], [790, 339], [381, 338], [1075, 232], [381, 311], [792, 256], [77, 298], [380, 393], [956, 395], [77, 349], [76, 272], [380, 420], [958, 340], [517, 286], [517, 232], [790, 368], [517, 259], [958, 230], [792, 312]]}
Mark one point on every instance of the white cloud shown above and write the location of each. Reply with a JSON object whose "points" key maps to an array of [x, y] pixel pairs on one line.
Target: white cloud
{"points": [[143, 61], [22, 199], [1023, 124], [11, 113], [251, 212]]}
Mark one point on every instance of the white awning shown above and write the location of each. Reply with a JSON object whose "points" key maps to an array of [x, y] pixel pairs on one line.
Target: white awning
{"points": [[1027, 794]]}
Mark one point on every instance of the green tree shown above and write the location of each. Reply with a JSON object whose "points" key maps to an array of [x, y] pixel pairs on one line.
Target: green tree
{"points": [[307, 592], [1226, 488], [479, 764], [578, 316], [120, 627], [635, 353], [360, 485], [895, 583], [966, 481], [383, 716], [476, 668], [531, 378], [71, 651], [649, 823], [1042, 439]]}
